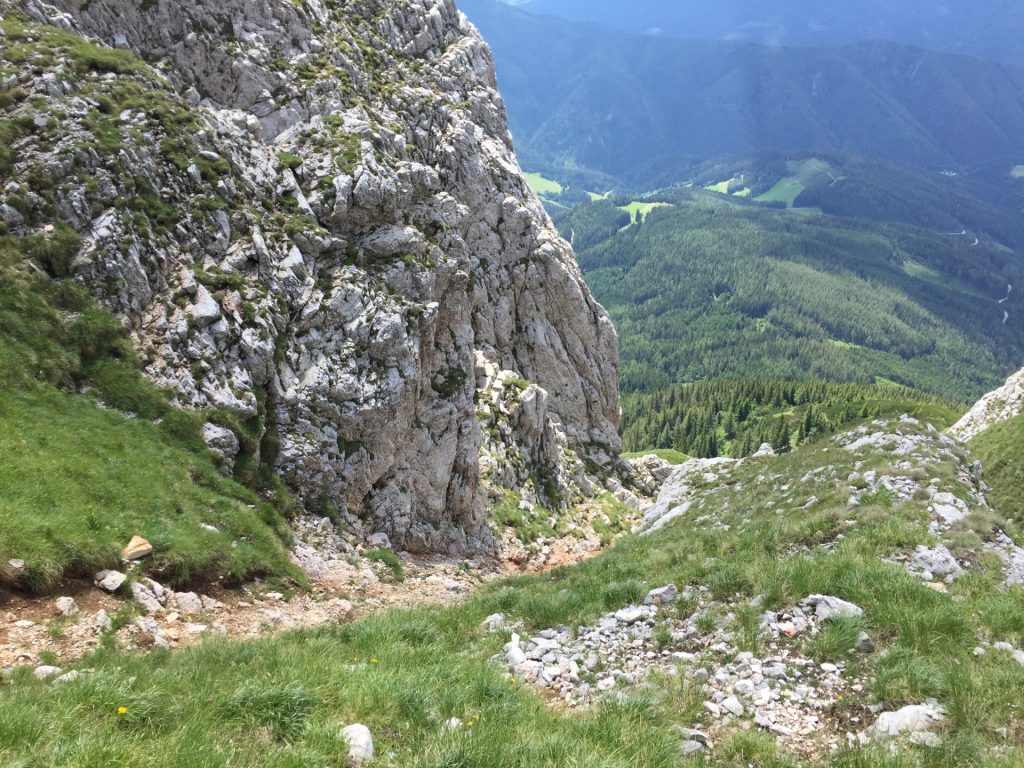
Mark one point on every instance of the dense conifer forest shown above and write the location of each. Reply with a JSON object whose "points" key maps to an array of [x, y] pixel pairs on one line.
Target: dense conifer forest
{"points": [[724, 418]]}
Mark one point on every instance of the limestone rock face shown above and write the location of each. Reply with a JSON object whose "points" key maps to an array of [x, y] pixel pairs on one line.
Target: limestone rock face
{"points": [[312, 215], [1002, 404]]}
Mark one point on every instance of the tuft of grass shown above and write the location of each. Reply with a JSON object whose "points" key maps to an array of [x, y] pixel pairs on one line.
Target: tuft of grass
{"points": [[388, 558], [748, 628], [836, 638], [527, 525]]}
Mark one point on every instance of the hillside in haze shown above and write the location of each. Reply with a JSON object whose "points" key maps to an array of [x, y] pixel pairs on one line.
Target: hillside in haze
{"points": [[990, 29], [639, 110], [703, 286]]}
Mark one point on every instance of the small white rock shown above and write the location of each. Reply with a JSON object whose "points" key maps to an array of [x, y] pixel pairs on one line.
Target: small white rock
{"points": [[66, 606], [46, 671], [360, 743]]}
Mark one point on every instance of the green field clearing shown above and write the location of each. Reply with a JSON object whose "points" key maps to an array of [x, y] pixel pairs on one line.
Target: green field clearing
{"points": [[542, 186], [722, 188], [916, 269], [643, 208], [785, 191]]}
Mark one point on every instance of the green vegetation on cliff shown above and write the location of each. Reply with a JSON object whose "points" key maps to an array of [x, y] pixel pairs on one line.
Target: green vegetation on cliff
{"points": [[1001, 451], [94, 453]]}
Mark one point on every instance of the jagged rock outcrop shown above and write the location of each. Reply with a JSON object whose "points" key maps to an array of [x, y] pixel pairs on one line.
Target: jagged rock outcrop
{"points": [[317, 222], [1002, 404]]}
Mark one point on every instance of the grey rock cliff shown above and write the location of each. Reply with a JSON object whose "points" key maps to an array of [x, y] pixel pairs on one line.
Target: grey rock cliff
{"points": [[1002, 404], [317, 221]]}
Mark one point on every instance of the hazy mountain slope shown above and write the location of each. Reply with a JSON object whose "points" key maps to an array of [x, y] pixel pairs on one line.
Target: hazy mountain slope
{"points": [[640, 108], [852, 186], [712, 287], [990, 29]]}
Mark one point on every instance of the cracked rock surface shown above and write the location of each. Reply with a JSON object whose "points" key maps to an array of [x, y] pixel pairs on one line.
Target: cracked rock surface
{"points": [[311, 215]]}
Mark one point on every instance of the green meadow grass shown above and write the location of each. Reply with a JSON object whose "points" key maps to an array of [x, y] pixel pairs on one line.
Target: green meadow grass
{"points": [[1001, 451], [282, 701], [77, 482], [542, 186], [638, 206], [82, 473], [786, 191], [671, 456]]}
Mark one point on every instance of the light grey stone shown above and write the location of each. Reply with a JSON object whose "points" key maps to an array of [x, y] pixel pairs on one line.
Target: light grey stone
{"points": [[827, 607], [110, 581], [913, 718], [66, 606], [661, 595], [690, 748], [733, 706], [186, 602], [864, 643], [46, 671], [360, 743], [145, 598]]}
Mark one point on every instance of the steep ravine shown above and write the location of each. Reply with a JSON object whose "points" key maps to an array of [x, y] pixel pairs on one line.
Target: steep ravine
{"points": [[310, 214]]}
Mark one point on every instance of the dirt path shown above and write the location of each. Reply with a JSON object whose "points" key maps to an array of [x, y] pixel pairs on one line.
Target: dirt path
{"points": [[33, 631], [344, 585]]}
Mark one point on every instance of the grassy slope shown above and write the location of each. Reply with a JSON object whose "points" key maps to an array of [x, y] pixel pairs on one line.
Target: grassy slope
{"points": [[1000, 449], [78, 479], [281, 702], [785, 191], [78, 482]]}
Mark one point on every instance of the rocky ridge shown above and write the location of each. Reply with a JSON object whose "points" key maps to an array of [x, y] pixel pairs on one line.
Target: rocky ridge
{"points": [[754, 667], [310, 216], [999, 405]]}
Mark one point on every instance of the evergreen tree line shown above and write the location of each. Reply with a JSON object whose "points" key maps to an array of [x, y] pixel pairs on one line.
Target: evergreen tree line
{"points": [[734, 418]]}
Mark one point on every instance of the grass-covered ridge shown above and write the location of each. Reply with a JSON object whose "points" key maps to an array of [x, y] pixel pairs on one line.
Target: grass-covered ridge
{"points": [[1001, 451], [83, 473], [282, 701]]}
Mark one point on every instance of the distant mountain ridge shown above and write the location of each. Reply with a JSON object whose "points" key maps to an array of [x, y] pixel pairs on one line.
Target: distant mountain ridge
{"points": [[640, 108], [989, 29]]}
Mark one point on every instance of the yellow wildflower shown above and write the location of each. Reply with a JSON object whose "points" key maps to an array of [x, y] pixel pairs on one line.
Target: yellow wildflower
{"points": [[122, 710]]}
